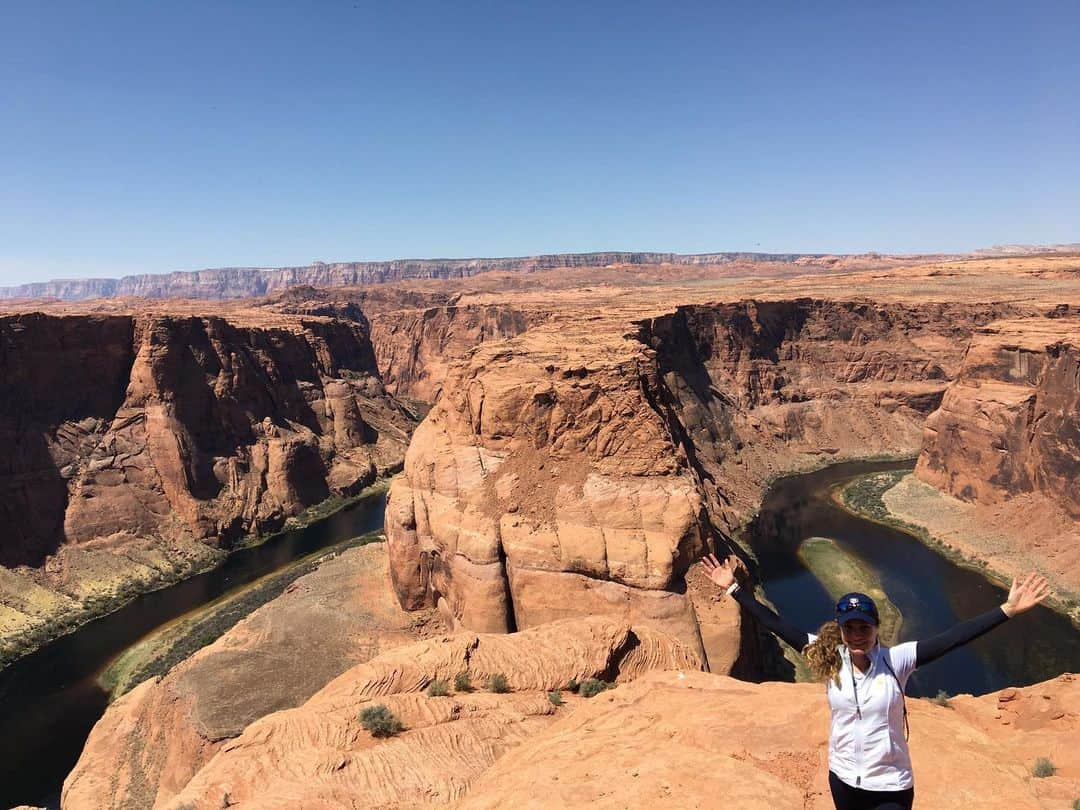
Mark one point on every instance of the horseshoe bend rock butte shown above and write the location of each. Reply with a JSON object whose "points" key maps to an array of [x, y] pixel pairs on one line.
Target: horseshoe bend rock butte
{"points": [[583, 465], [136, 446]]}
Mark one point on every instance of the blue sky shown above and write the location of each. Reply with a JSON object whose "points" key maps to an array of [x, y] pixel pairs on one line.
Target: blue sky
{"points": [[147, 137]]}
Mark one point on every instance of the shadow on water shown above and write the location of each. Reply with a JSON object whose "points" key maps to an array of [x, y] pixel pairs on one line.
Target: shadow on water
{"points": [[49, 700], [931, 592]]}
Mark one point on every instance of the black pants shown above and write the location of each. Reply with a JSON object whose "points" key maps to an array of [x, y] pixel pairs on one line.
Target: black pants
{"points": [[846, 797]]}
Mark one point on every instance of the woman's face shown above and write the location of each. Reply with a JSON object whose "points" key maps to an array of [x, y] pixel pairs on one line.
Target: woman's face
{"points": [[859, 636]]}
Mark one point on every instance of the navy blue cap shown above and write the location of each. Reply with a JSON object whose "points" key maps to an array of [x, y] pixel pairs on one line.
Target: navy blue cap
{"points": [[856, 606]]}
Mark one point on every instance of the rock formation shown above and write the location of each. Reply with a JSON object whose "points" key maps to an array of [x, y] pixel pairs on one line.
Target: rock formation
{"points": [[667, 735], [138, 447], [318, 755], [584, 465], [247, 282], [1010, 424], [415, 348], [154, 739]]}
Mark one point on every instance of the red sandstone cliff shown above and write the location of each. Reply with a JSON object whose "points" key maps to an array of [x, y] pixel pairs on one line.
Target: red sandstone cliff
{"points": [[1010, 424], [581, 467], [416, 347], [136, 446]]}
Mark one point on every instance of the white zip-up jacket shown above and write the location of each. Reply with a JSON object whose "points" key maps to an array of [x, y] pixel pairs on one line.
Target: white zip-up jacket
{"points": [[867, 748]]}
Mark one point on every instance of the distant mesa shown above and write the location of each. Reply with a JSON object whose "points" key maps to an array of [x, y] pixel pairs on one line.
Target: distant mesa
{"points": [[244, 282]]}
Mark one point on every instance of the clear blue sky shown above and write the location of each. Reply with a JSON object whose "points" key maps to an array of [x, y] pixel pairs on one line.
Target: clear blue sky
{"points": [[154, 136]]}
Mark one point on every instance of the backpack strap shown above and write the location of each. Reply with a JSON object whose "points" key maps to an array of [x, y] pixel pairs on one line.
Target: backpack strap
{"points": [[900, 686]]}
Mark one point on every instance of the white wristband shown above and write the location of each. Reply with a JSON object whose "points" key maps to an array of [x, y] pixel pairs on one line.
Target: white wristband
{"points": [[734, 586]]}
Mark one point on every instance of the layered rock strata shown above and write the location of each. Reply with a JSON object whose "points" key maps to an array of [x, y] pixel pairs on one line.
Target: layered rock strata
{"points": [[416, 347], [1010, 424], [667, 735], [151, 742], [319, 754], [246, 282], [584, 465], [544, 485], [137, 448]]}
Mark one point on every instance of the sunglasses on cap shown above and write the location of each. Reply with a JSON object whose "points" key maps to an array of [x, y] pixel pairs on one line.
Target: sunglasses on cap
{"points": [[857, 603]]}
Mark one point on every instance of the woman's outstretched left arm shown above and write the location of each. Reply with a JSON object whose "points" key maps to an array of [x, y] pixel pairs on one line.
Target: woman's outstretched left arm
{"points": [[1023, 596]]}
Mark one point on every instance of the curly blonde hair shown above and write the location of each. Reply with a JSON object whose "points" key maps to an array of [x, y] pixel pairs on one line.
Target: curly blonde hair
{"points": [[823, 654]]}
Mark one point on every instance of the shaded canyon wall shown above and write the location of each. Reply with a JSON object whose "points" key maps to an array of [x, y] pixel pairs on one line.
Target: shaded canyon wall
{"points": [[137, 447]]}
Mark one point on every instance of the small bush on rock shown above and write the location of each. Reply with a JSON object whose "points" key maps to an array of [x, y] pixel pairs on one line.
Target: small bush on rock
{"points": [[462, 682], [1043, 768], [556, 698], [438, 689], [380, 721], [499, 684], [591, 687], [941, 699], [573, 685]]}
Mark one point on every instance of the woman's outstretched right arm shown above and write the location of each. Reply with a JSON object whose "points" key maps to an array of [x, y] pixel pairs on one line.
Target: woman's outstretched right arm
{"points": [[723, 574]]}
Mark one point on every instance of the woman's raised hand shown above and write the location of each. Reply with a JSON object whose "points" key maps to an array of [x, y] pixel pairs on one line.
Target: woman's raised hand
{"points": [[722, 573], [1026, 595]]}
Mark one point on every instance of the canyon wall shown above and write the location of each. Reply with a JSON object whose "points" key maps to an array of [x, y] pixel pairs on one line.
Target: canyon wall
{"points": [[583, 466], [243, 282], [416, 347], [137, 448], [1010, 424], [760, 388]]}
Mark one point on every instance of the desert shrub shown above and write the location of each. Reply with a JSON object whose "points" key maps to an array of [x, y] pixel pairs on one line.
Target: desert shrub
{"points": [[380, 721], [499, 684], [1043, 768], [438, 689], [462, 682], [1076, 804], [573, 685], [591, 687], [556, 698], [941, 699]]}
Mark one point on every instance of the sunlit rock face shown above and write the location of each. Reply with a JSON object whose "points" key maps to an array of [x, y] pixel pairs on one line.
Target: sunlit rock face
{"points": [[583, 465], [1010, 423]]}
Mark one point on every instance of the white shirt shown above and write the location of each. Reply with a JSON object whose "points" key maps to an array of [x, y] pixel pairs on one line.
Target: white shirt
{"points": [[867, 748]]}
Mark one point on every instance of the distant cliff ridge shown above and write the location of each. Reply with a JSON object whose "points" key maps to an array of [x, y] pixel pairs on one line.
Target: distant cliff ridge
{"points": [[241, 282]]}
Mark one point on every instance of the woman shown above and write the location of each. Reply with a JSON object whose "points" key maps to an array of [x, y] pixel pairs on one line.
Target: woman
{"points": [[869, 765]]}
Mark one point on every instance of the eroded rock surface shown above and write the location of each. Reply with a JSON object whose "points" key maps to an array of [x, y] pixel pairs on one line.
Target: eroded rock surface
{"points": [[319, 755], [416, 347], [138, 447], [667, 735], [582, 466], [691, 739], [1010, 424], [154, 739]]}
